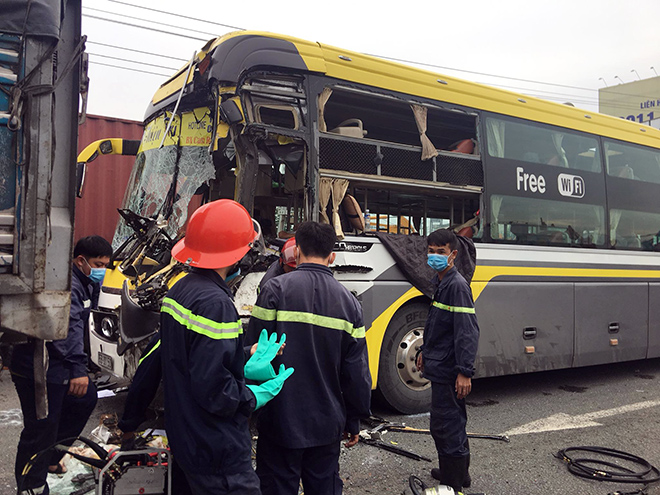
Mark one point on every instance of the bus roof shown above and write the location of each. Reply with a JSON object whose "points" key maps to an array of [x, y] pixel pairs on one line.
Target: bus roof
{"points": [[226, 58]]}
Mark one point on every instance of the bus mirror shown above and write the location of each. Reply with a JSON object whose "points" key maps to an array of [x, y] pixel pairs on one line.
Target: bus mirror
{"points": [[230, 113], [111, 146], [81, 168]]}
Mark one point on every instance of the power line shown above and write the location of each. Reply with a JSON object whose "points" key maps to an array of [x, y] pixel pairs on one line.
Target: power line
{"points": [[378, 56], [132, 61], [152, 22], [563, 96], [479, 73], [144, 27], [547, 94], [128, 68], [178, 15], [137, 51], [495, 75]]}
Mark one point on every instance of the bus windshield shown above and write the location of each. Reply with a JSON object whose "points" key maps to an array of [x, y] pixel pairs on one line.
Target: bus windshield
{"points": [[171, 174]]}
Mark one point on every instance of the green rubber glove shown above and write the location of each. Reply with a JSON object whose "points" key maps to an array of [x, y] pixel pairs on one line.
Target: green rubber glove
{"points": [[265, 392], [258, 367]]}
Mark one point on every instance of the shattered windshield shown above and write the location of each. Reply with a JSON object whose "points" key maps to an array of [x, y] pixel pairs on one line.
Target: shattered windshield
{"points": [[155, 168]]}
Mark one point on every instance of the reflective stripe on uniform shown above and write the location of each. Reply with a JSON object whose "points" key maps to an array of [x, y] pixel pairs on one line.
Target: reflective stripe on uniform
{"points": [[149, 353], [264, 314], [453, 309], [200, 324], [309, 318]]}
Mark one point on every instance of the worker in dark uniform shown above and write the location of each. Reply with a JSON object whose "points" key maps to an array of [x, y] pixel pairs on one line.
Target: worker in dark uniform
{"points": [[301, 429], [71, 394], [141, 393], [285, 264], [451, 336], [207, 401]]}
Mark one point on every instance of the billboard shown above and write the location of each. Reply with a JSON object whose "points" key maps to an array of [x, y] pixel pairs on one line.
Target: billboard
{"points": [[638, 101]]}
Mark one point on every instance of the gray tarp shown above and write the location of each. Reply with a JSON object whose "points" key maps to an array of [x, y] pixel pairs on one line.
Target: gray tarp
{"points": [[44, 17], [409, 252]]}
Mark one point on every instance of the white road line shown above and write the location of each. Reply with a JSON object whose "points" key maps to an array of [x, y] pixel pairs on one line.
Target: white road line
{"points": [[11, 417], [563, 421]]}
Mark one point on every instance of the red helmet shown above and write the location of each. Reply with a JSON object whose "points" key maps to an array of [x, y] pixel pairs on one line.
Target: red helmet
{"points": [[288, 253], [218, 235]]}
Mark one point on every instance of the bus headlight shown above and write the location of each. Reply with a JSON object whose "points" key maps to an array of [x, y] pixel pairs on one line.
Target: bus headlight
{"points": [[105, 324], [108, 327]]}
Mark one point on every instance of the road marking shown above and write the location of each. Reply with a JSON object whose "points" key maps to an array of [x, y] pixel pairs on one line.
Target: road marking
{"points": [[563, 421], [11, 417]]}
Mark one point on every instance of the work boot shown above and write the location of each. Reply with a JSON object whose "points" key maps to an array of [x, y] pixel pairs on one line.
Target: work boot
{"points": [[436, 473], [453, 472]]}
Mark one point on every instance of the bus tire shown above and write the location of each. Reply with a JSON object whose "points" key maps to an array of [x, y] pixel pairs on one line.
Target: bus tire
{"points": [[399, 382]]}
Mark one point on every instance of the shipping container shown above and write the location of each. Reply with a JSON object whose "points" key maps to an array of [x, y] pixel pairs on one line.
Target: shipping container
{"points": [[105, 178]]}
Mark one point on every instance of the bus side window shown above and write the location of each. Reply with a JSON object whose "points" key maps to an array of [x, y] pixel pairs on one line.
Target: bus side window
{"points": [[536, 143]]}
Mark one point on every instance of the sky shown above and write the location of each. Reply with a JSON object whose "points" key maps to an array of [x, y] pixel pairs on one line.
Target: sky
{"points": [[561, 50]]}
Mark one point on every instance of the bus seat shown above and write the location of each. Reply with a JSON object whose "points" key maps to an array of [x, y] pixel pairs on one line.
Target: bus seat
{"points": [[521, 231], [350, 127], [626, 172], [353, 212], [554, 160], [467, 229], [631, 241], [558, 237], [466, 146], [466, 232], [530, 156]]}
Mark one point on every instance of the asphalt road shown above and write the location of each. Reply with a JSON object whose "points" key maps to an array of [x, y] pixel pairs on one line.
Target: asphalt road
{"points": [[616, 406]]}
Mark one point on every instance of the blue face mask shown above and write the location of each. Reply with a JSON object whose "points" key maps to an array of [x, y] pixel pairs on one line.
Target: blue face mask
{"points": [[96, 274], [233, 275], [438, 261]]}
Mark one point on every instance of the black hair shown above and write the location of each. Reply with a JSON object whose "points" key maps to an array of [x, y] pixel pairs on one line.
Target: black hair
{"points": [[442, 237], [316, 239], [93, 246]]}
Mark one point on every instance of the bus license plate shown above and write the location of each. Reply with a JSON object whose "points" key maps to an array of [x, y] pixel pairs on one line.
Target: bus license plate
{"points": [[106, 361]]}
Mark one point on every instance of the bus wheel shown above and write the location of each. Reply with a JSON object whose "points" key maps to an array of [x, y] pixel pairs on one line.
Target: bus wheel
{"points": [[399, 381]]}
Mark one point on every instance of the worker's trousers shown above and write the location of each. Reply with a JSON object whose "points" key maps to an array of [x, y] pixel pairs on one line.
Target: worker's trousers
{"points": [[448, 421], [67, 416], [281, 469], [242, 483]]}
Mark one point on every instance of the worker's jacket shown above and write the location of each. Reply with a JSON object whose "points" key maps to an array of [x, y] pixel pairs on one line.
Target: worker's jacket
{"points": [[330, 389], [207, 403], [451, 334], [67, 358], [144, 386], [274, 270]]}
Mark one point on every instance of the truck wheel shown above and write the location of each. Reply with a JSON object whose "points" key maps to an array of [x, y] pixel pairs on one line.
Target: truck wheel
{"points": [[399, 381]]}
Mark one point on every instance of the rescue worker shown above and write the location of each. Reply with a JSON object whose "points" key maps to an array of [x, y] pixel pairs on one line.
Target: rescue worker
{"points": [[207, 402], [141, 393], [451, 336], [301, 429], [71, 394], [285, 264]]}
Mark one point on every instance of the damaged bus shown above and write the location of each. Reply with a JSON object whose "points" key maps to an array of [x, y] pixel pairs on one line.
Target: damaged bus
{"points": [[559, 202]]}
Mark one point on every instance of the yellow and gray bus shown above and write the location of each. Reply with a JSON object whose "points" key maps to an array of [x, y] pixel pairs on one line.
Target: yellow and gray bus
{"points": [[561, 203]]}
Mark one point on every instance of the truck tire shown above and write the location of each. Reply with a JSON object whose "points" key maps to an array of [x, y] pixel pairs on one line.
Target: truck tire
{"points": [[400, 383]]}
